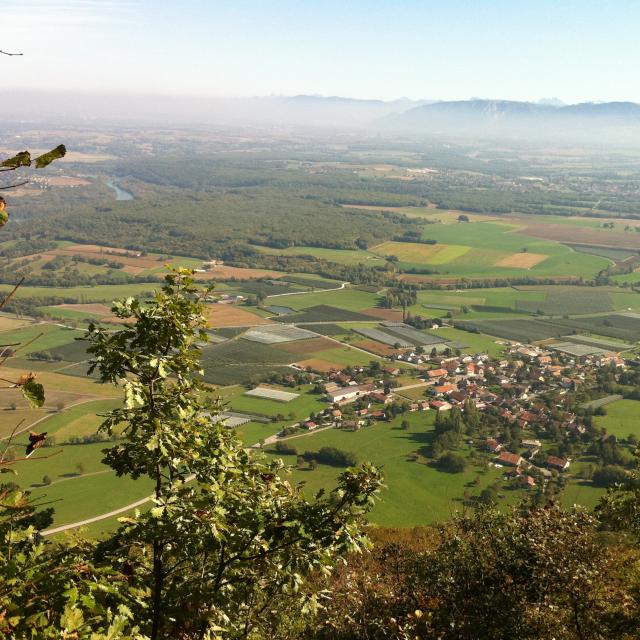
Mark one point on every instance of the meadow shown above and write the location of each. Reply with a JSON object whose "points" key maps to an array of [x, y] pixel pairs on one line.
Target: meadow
{"points": [[416, 493], [621, 419]]}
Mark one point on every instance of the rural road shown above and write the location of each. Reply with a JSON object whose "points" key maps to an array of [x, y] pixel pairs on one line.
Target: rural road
{"points": [[33, 424], [102, 516], [139, 503], [298, 293]]}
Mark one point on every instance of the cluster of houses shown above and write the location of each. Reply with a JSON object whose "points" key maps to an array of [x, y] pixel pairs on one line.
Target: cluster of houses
{"points": [[511, 388], [522, 466]]}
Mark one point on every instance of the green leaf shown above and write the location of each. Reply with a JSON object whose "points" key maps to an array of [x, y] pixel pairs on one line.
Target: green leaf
{"points": [[22, 159], [47, 158], [34, 392], [4, 217], [72, 619]]}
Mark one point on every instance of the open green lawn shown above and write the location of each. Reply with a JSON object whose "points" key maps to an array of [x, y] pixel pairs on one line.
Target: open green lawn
{"points": [[622, 419], [417, 494], [581, 492]]}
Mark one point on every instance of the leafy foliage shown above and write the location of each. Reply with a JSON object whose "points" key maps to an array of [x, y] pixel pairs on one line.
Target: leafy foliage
{"points": [[227, 537]]}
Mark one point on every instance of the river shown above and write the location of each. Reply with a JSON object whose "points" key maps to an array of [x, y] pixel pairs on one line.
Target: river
{"points": [[121, 194]]}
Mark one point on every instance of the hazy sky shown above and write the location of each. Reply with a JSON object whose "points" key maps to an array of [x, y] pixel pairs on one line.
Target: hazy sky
{"points": [[450, 49]]}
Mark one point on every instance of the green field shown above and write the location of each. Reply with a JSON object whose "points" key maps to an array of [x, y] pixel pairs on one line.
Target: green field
{"points": [[476, 342], [94, 293], [39, 337], [341, 256], [570, 301], [349, 299], [323, 313], [417, 493], [622, 419], [520, 330], [297, 409], [491, 242]]}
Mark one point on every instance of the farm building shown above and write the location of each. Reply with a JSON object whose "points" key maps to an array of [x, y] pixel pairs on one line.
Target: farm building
{"points": [[560, 464], [350, 393]]}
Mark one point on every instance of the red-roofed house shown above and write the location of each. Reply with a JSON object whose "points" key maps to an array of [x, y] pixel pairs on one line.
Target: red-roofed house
{"points": [[560, 464], [510, 459]]}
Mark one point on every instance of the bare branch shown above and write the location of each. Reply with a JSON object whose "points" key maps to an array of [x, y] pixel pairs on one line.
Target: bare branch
{"points": [[13, 186], [10, 294], [24, 459], [7, 53]]}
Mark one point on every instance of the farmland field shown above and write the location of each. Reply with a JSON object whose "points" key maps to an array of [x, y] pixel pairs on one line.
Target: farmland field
{"points": [[623, 327], [341, 256], [322, 313], [418, 253], [227, 315], [347, 299], [569, 301], [487, 238], [241, 351], [514, 329]]}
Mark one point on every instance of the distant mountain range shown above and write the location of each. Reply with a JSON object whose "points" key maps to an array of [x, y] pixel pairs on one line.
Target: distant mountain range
{"points": [[475, 117], [508, 116]]}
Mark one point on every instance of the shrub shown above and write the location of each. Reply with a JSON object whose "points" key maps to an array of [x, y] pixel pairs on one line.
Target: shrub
{"points": [[452, 463], [609, 475], [286, 449], [332, 456]]}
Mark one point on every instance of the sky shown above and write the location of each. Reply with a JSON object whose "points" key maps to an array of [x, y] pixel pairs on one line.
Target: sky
{"points": [[576, 50]]}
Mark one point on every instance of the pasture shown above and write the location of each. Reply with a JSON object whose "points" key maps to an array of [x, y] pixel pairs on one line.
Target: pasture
{"points": [[347, 299], [621, 419], [416, 493], [492, 243]]}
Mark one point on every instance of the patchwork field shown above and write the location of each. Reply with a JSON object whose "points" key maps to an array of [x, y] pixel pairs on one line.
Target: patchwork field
{"points": [[418, 253], [583, 235]]}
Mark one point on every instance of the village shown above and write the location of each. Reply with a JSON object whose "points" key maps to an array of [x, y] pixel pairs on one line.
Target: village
{"points": [[530, 392]]}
